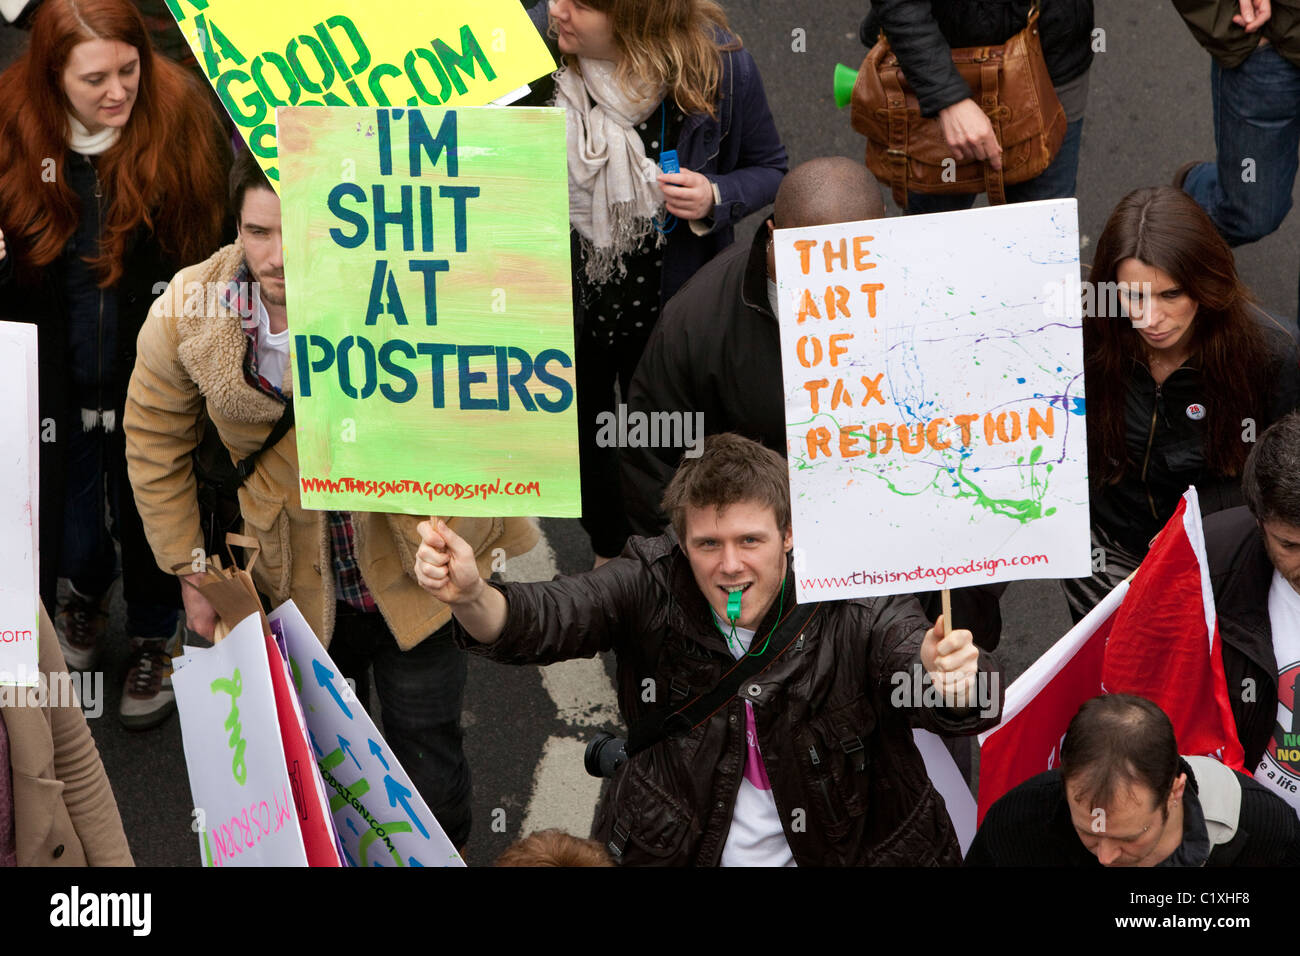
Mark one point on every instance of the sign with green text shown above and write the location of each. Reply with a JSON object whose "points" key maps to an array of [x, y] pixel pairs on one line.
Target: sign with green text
{"points": [[259, 55], [428, 289]]}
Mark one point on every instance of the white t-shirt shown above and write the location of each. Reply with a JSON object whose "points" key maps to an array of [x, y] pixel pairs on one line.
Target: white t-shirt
{"points": [[1279, 768], [272, 347], [756, 837]]}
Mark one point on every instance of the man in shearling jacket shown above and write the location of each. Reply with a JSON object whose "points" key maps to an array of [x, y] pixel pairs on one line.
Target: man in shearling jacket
{"points": [[351, 574], [810, 761]]}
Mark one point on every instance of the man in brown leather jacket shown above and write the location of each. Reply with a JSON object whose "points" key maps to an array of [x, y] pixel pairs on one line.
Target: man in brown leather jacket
{"points": [[812, 761]]}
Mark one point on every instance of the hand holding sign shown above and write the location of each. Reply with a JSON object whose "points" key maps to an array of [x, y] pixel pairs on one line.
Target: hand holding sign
{"points": [[952, 660], [445, 565]]}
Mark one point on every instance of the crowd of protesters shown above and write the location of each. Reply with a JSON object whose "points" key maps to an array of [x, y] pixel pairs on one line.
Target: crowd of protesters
{"points": [[772, 742]]}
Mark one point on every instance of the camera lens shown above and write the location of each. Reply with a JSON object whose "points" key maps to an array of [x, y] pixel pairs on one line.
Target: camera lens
{"points": [[604, 755]]}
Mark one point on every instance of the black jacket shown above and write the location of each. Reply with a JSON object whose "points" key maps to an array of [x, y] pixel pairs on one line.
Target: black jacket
{"points": [[923, 32], [1240, 576], [715, 350], [86, 361], [1165, 445], [1030, 826], [834, 744]]}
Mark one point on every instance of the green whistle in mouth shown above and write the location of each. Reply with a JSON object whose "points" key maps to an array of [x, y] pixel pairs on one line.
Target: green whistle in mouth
{"points": [[733, 606]]}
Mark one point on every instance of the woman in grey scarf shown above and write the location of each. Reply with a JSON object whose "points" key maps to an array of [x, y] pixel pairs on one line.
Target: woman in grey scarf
{"points": [[670, 143]]}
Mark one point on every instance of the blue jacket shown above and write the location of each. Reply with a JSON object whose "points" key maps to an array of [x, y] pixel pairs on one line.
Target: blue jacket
{"points": [[741, 151]]}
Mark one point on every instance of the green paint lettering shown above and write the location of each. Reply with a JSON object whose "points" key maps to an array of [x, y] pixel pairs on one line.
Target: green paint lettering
{"points": [[470, 53], [175, 7], [234, 687]]}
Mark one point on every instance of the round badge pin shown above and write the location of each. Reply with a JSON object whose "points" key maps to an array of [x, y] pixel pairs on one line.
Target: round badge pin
{"points": [[1195, 411]]}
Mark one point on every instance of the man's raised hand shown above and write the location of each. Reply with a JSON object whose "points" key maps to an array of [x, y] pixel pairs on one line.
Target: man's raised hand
{"points": [[952, 660], [445, 565]]}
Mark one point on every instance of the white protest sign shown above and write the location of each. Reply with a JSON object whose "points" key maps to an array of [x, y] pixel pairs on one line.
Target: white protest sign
{"points": [[236, 764], [933, 370], [19, 505], [378, 814]]}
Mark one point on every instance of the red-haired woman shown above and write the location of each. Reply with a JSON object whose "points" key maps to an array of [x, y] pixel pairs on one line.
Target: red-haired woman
{"points": [[112, 177], [1178, 385]]}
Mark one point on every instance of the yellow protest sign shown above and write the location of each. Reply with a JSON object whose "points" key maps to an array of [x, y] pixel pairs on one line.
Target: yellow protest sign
{"points": [[259, 55]]}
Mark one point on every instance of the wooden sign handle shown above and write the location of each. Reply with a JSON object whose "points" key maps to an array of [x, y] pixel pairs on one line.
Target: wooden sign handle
{"points": [[947, 611]]}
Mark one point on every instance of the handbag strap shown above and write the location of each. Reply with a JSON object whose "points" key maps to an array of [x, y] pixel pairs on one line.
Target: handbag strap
{"points": [[896, 149], [989, 103], [679, 722]]}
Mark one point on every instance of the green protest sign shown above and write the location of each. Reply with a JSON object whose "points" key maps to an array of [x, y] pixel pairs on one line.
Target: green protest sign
{"points": [[427, 279]]}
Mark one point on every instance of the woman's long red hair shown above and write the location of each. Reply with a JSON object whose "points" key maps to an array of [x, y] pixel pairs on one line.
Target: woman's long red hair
{"points": [[165, 172]]}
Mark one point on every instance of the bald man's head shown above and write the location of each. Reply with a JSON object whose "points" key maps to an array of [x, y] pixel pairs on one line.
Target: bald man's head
{"points": [[826, 190]]}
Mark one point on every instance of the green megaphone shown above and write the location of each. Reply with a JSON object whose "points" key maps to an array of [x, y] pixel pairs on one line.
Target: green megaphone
{"points": [[845, 77]]}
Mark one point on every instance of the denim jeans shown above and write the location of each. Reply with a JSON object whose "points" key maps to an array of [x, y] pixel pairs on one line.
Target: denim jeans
{"points": [[96, 476], [1256, 123], [1057, 181], [420, 693]]}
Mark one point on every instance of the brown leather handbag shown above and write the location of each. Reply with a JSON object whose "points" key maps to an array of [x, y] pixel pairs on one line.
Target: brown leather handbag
{"points": [[1010, 83]]}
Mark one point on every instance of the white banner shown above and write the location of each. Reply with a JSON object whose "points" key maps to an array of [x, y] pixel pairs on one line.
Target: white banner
{"points": [[933, 370], [242, 793], [19, 505]]}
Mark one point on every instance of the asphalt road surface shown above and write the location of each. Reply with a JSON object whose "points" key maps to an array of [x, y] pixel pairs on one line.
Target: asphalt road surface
{"points": [[1148, 111]]}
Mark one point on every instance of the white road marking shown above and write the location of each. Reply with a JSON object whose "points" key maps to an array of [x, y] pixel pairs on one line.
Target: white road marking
{"points": [[564, 796]]}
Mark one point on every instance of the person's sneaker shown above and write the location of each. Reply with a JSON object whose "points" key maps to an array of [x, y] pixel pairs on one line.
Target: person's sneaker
{"points": [[81, 623], [147, 697]]}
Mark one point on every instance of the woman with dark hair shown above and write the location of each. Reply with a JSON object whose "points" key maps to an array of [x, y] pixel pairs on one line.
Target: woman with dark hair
{"points": [[641, 79], [112, 177], [1179, 383]]}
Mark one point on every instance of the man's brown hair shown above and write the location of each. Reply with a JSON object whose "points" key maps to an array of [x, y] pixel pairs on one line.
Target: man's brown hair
{"points": [[245, 174], [1115, 741], [731, 469], [554, 848]]}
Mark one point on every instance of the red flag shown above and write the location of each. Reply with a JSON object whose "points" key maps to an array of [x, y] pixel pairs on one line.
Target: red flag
{"points": [[1164, 644], [1155, 635]]}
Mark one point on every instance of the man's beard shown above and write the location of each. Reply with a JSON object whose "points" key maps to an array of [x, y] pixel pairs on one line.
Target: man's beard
{"points": [[275, 298]]}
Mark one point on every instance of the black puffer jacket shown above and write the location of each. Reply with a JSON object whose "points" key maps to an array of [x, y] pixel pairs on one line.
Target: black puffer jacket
{"points": [[833, 744], [923, 32], [1165, 444]]}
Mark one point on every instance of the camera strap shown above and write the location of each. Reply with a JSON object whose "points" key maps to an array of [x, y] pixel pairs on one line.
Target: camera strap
{"points": [[682, 720]]}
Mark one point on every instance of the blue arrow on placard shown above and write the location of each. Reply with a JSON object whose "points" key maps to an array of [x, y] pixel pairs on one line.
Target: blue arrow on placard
{"points": [[399, 794], [378, 751], [347, 749], [323, 677], [315, 746], [352, 826], [415, 862]]}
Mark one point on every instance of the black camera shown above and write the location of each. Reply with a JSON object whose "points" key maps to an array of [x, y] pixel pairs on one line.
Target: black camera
{"points": [[605, 754]]}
